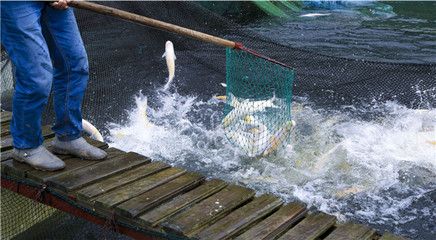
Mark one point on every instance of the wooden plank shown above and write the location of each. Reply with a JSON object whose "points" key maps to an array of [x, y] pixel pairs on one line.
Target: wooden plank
{"points": [[152, 198], [5, 116], [14, 168], [241, 218], [131, 190], [7, 142], [71, 165], [5, 129], [208, 211], [350, 231], [310, 228], [390, 236], [23, 170], [90, 174], [159, 214], [276, 224], [6, 155], [119, 180]]}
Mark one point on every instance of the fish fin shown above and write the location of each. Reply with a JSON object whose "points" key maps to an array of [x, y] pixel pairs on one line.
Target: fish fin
{"points": [[164, 54]]}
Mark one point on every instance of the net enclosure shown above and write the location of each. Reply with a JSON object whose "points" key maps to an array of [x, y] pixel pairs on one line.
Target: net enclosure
{"points": [[126, 58]]}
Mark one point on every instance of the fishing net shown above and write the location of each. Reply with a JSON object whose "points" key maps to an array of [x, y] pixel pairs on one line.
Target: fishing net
{"points": [[19, 213], [257, 114], [125, 58], [23, 218]]}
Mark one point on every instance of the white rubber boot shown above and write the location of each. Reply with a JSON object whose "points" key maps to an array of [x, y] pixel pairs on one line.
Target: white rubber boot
{"points": [[79, 148], [39, 158]]}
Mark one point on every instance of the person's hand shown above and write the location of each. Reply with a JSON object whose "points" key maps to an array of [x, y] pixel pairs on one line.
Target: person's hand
{"points": [[61, 4]]}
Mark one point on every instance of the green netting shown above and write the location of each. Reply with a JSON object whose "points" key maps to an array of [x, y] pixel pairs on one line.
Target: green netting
{"points": [[19, 213], [258, 103]]}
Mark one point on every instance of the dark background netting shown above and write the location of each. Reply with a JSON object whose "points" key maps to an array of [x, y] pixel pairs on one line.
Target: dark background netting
{"points": [[126, 58]]}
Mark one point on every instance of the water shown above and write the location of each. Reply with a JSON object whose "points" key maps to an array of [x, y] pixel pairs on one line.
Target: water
{"points": [[379, 31], [374, 164]]}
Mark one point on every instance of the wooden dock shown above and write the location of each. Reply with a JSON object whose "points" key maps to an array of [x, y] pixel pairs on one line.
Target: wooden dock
{"points": [[148, 199]]}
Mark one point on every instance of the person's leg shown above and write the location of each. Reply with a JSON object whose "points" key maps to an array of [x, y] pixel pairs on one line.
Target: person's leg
{"points": [[23, 40], [70, 64], [70, 75]]}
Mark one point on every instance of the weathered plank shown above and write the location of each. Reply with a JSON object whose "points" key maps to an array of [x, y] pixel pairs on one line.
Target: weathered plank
{"points": [[147, 200], [90, 174], [7, 142], [157, 215], [208, 211], [72, 164], [390, 236], [350, 231], [5, 116], [311, 227], [238, 220], [276, 224], [5, 130], [15, 168], [119, 180], [140, 186]]}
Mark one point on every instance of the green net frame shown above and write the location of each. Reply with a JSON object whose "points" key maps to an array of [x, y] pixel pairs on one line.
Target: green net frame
{"points": [[257, 115]]}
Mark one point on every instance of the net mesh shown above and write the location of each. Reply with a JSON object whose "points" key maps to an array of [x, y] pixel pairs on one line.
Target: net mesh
{"points": [[19, 213], [23, 218], [125, 58], [258, 103]]}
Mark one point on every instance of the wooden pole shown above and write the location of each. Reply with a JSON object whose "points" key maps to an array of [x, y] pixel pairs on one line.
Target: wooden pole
{"points": [[105, 10]]}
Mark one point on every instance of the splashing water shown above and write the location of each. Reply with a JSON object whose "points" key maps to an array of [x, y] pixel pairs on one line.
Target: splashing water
{"points": [[375, 165]]}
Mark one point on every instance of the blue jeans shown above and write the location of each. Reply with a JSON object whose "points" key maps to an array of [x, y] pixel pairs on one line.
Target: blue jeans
{"points": [[46, 48]]}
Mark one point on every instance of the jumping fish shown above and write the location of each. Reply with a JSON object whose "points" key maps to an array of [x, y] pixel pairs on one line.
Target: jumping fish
{"points": [[252, 136], [279, 137], [170, 58], [142, 104], [314, 14], [220, 98], [91, 130], [428, 127], [245, 106]]}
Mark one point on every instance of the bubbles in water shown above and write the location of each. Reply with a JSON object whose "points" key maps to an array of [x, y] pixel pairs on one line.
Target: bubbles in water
{"points": [[372, 165]]}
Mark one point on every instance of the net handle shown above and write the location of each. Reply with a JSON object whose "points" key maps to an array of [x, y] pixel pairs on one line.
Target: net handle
{"points": [[105, 10]]}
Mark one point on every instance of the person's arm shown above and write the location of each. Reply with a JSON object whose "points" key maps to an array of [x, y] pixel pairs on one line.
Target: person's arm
{"points": [[61, 4]]}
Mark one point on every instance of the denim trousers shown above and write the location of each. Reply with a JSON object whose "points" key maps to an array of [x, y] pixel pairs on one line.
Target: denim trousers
{"points": [[46, 48]]}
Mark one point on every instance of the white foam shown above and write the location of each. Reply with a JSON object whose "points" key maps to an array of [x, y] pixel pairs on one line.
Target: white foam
{"points": [[371, 170]]}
